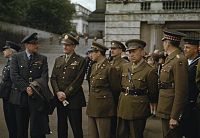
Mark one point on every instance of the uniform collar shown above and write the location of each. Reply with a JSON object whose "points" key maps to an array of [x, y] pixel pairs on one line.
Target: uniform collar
{"points": [[138, 64], [115, 58], [173, 54]]}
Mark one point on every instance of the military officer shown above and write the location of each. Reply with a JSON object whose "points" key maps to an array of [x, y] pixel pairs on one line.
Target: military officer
{"points": [[189, 120], [198, 97], [104, 84], [89, 63], [173, 85], [26, 67], [66, 80], [139, 93], [5, 88], [117, 48]]}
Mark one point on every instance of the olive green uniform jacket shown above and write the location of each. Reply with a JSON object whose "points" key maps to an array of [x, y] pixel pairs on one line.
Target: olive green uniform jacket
{"points": [[68, 77], [103, 85], [118, 63], [172, 101], [143, 77]]}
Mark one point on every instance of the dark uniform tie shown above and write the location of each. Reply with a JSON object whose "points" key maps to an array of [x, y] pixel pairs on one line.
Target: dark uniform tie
{"points": [[30, 60]]}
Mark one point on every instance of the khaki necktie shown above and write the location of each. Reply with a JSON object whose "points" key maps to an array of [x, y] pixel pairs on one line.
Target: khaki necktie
{"points": [[66, 58], [133, 66], [97, 66]]}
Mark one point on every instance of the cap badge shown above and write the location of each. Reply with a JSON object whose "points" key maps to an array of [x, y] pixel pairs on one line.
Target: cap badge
{"points": [[66, 36]]}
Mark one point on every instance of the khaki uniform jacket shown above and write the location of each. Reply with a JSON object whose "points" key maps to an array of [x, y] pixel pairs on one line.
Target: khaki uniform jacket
{"points": [[103, 85], [172, 101], [143, 77], [68, 77], [118, 63]]}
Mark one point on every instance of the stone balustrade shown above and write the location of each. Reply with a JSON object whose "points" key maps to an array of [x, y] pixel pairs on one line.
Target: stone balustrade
{"points": [[154, 6]]}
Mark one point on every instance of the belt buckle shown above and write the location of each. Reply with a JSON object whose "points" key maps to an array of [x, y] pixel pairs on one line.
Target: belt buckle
{"points": [[173, 85], [127, 91], [30, 80], [135, 95]]}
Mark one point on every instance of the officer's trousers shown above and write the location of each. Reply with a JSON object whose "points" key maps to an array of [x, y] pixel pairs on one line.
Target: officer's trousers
{"points": [[170, 133], [130, 128], [75, 119], [99, 127], [22, 118], [9, 114], [113, 126], [189, 123]]}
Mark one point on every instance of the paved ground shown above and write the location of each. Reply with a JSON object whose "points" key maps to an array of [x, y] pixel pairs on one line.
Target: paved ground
{"points": [[152, 128]]}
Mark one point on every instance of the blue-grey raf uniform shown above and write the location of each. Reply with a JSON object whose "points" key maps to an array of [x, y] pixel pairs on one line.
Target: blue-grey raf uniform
{"points": [[25, 70], [5, 90]]}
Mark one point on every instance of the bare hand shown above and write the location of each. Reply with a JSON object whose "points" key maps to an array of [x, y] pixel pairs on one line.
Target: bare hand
{"points": [[29, 91], [61, 96], [153, 107], [173, 123]]}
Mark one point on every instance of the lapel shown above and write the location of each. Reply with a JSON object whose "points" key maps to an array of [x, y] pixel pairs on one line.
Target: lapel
{"points": [[25, 58], [100, 68], [172, 56], [139, 68], [8, 63]]}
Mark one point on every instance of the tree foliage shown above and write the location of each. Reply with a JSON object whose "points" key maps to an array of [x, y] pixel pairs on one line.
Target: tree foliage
{"points": [[49, 15]]}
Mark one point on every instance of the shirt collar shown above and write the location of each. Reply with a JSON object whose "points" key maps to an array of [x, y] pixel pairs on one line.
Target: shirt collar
{"points": [[27, 54]]}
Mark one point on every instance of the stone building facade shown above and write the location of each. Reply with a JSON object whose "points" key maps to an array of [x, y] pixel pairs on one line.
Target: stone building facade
{"points": [[80, 19], [146, 19]]}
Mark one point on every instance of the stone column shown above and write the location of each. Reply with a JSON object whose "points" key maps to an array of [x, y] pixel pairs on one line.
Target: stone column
{"points": [[101, 5], [155, 37], [97, 20]]}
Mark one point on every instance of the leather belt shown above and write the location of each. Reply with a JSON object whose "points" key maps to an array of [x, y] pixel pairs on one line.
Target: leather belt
{"points": [[135, 92], [166, 85]]}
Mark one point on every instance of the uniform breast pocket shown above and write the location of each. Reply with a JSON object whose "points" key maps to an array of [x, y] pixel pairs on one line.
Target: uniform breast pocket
{"points": [[125, 79], [101, 81], [36, 69], [37, 66], [71, 70], [166, 74], [139, 82], [23, 69], [72, 67]]}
